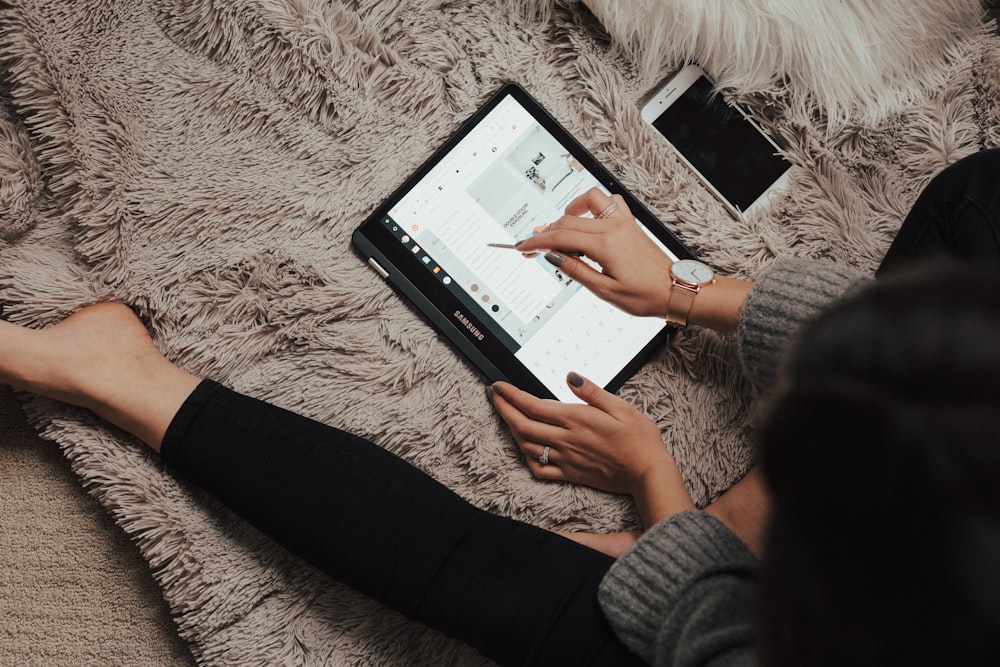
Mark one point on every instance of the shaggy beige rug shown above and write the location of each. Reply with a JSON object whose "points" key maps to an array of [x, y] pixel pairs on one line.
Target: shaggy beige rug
{"points": [[207, 160]]}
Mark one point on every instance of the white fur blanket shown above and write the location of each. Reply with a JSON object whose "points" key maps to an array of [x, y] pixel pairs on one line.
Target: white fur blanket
{"points": [[848, 59], [207, 160]]}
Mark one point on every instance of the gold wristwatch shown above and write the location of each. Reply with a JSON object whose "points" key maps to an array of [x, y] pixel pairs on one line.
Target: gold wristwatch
{"points": [[687, 277]]}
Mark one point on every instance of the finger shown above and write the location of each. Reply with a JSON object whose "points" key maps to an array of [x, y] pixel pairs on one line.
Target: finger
{"points": [[574, 231], [593, 201], [592, 394], [513, 403], [549, 472], [621, 209], [598, 204], [580, 235], [573, 223], [575, 268], [533, 451]]}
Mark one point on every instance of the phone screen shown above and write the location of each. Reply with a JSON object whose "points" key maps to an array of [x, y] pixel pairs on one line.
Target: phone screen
{"points": [[721, 144]]}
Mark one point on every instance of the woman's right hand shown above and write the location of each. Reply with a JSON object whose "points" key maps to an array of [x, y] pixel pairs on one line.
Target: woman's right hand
{"points": [[636, 273]]}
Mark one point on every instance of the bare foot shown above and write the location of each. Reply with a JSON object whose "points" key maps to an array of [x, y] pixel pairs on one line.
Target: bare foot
{"points": [[101, 358], [74, 359], [612, 544]]}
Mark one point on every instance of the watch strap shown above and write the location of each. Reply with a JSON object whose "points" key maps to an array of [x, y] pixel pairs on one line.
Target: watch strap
{"points": [[680, 302]]}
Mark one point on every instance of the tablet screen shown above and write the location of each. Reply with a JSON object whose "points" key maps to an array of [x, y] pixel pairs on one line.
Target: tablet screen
{"points": [[503, 181]]}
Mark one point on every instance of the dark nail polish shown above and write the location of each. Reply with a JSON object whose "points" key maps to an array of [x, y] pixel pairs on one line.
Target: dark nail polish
{"points": [[554, 259], [574, 379], [489, 393], [498, 389]]}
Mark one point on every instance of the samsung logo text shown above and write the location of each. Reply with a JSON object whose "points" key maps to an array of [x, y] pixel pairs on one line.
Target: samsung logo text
{"points": [[472, 328]]}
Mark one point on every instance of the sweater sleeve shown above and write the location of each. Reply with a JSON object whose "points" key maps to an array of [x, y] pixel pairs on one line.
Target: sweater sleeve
{"points": [[784, 298], [682, 594]]}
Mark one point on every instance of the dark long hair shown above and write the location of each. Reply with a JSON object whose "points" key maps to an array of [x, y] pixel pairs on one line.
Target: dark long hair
{"points": [[882, 456]]}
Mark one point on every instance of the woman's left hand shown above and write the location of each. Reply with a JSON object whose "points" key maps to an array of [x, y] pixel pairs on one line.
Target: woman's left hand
{"points": [[605, 443]]}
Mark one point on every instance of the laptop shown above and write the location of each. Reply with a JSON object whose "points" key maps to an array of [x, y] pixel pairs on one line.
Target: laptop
{"points": [[508, 171]]}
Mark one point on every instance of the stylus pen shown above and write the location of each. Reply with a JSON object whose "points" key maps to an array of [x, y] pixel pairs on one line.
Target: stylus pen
{"points": [[511, 246]]}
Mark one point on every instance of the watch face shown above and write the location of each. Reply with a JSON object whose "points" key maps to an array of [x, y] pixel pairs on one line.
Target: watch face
{"points": [[692, 272]]}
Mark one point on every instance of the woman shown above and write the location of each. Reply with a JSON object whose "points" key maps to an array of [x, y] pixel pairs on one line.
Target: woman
{"points": [[682, 594]]}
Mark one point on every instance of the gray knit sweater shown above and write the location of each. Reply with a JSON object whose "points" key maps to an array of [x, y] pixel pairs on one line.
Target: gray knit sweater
{"points": [[681, 595]]}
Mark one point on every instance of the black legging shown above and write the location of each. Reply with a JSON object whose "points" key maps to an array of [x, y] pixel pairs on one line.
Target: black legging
{"points": [[957, 215], [519, 594]]}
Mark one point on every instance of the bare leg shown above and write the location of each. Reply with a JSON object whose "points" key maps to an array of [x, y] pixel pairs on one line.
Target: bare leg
{"points": [[743, 509], [611, 544], [103, 359]]}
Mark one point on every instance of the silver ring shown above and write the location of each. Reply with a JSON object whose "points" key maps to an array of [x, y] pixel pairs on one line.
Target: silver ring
{"points": [[606, 213], [544, 458]]}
